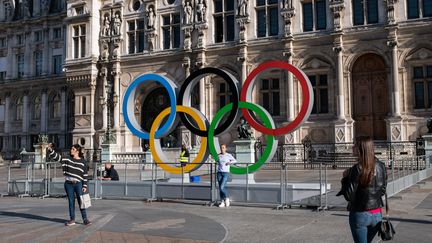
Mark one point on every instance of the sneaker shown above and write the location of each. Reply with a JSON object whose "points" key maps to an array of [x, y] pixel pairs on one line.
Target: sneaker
{"points": [[227, 202], [70, 223], [222, 204], [87, 222]]}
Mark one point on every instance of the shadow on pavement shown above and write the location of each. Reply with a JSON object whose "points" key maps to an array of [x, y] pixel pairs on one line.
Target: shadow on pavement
{"points": [[30, 216]]}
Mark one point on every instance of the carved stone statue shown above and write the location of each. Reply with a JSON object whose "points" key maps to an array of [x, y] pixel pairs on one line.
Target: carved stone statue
{"points": [[45, 6], [104, 54], [242, 7], [151, 16], [117, 24], [188, 13], [106, 26], [201, 11], [244, 130], [8, 11], [26, 9]]}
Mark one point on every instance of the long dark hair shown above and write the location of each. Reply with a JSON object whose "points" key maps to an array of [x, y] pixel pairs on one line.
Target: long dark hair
{"points": [[366, 160], [79, 149]]}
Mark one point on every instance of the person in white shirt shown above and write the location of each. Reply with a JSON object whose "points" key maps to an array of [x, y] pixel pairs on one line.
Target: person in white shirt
{"points": [[224, 161]]}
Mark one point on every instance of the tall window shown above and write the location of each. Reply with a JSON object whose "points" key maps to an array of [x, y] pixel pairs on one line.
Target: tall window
{"points": [[320, 88], [19, 109], [55, 106], [224, 20], [419, 8], [79, 40], [224, 94], [57, 33], [39, 36], [136, 36], [267, 18], [314, 15], [3, 42], [56, 6], [422, 77], [38, 63], [20, 65], [365, 11], [270, 94], [2, 75], [57, 64], [171, 31], [20, 40]]}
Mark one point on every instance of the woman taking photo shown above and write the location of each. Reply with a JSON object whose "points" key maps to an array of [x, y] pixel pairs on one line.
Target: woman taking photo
{"points": [[75, 172], [365, 184]]}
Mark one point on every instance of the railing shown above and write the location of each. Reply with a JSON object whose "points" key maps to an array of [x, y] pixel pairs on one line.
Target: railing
{"points": [[281, 186]]}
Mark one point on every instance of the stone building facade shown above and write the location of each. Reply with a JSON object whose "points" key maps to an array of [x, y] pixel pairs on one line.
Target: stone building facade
{"points": [[370, 63], [33, 94]]}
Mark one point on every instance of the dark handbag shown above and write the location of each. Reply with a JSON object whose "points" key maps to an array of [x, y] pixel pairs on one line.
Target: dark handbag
{"points": [[386, 230]]}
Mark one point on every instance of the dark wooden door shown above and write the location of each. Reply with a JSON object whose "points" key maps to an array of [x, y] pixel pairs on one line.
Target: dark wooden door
{"points": [[370, 96]]}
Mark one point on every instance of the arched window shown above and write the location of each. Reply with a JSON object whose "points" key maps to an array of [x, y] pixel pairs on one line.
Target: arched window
{"points": [[55, 106], [37, 108]]}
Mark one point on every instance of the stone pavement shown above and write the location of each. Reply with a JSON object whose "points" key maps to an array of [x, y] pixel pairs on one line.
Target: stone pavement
{"points": [[41, 220]]}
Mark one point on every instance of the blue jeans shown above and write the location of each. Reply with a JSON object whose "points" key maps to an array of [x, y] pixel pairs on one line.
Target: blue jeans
{"points": [[222, 178], [71, 191], [364, 226]]}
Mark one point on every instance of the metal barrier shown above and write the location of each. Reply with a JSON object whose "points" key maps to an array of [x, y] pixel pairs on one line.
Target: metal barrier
{"points": [[145, 179]]}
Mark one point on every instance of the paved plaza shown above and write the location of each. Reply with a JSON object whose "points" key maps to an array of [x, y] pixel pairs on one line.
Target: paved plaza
{"points": [[42, 220]]}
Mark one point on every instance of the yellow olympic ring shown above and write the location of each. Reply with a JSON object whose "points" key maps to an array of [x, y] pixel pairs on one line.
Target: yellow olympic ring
{"points": [[156, 149]]}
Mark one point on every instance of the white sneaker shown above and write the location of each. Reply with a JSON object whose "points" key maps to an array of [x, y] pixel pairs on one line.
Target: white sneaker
{"points": [[227, 202], [222, 204]]}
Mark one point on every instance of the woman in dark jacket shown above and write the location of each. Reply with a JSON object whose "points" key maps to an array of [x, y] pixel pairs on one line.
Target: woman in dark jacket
{"points": [[366, 184]]}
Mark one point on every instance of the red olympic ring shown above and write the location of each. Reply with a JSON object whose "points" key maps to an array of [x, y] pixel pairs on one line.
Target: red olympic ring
{"points": [[307, 92]]}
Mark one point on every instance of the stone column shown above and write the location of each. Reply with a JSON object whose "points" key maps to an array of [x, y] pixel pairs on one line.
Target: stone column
{"points": [[92, 113], [25, 118], [395, 77], [340, 84], [6, 139], [44, 112], [10, 59], [27, 56], [290, 86], [63, 117], [104, 95], [7, 113], [45, 54], [116, 124]]}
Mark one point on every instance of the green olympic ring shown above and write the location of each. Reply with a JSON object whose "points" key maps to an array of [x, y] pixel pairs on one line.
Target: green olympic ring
{"points": [[272, 143]]}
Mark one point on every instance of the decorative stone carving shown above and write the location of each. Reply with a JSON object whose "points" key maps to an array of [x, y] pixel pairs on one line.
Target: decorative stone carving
{"points": [[106, 30], [242, 8], [288, 12], [151, 38], [187, 43], [9, 10], [201, 9], [390, 11], [337, 6], [45, 6], [104, 53], [117, 24], [188, 12], [26, 9], [151, 16], [242, 22], [201, 34]]}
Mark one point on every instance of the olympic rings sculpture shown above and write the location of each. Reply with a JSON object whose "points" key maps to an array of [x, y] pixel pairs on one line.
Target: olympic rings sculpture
{"points": [[180, 105]]}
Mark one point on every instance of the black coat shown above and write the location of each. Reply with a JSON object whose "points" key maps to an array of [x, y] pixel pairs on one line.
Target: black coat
{"points": [[364, 198]]}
